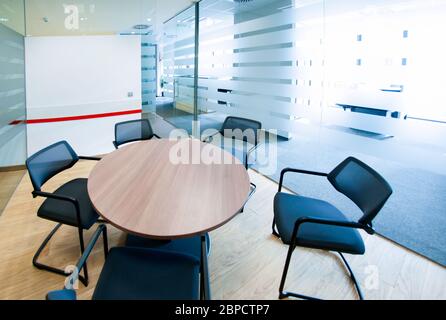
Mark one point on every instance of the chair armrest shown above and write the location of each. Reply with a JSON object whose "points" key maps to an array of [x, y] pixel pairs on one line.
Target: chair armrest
{"points": [[157, 136], [249, 153], [115, 144], [206, 139], [102, 229], [61, 295], [348, 224], [90, 158], [286, 170], [74, 201]]}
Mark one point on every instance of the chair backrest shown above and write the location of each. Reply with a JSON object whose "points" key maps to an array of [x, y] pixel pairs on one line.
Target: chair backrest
{"points": [[363, 185], [241, 129], [48, 162], [134, 130]]}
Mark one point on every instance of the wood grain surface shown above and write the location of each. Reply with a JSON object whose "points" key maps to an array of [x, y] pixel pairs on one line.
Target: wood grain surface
{"points": [[167, 189]]}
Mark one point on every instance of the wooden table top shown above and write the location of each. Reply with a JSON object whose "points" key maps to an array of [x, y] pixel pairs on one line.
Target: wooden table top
{"points": [[140, 190]]}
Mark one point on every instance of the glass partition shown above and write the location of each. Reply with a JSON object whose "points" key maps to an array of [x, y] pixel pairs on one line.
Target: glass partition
{"points": [[338, 79], [178, 79], [12, 84]]}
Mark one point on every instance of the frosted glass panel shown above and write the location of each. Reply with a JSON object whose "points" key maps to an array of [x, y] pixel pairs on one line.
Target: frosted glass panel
{"points": [[178, 60], [148, 73], [262, 60], [12, 85]]}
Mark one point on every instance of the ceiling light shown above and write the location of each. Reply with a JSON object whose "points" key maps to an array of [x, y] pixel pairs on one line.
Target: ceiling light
{"points": [[4, 19], [148, 19]]}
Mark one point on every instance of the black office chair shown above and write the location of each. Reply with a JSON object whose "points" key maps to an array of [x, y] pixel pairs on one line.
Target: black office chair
{"points": [[143, 274], [131, 131], [245, 130], [317, 224], [69, 204], [190, 246]]}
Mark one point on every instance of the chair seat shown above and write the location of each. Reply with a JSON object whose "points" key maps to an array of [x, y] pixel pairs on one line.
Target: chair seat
{"points": [[145, 274], [288, 208], [64, 211], [190, 246], [62, 295]]}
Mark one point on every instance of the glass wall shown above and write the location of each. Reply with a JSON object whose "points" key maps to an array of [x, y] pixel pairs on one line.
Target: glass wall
{"points": [[336, 78], [12, 84], [178, 59]]}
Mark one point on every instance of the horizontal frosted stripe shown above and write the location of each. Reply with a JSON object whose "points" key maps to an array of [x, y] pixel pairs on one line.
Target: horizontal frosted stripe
{"points": [[178, 41], [252, 72], [10, 93], [285, 36], [184, 62], [260, 105], [184, 72], [176, 48], [283, 54], [256, 102], [151, 74], [149, 85], [148, 63], [148, 50], [268, 121], [275, 20], [179, 53], [11, 60], [284, 90]]}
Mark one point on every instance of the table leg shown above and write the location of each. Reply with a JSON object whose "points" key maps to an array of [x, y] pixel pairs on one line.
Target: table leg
{"points": [[205, 290]]}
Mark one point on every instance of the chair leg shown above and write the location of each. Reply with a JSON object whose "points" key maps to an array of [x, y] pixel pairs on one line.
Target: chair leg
{"points": [[253, 190], [274, 232], [352, 276], [82, 246], [284, 294], [45, 267]]}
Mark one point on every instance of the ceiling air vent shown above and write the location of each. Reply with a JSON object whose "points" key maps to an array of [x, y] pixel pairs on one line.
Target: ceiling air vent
{"points": [[141, 27]]}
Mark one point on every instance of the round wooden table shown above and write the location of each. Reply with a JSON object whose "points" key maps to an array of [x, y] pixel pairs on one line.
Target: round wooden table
{"points": [[168, 189]]}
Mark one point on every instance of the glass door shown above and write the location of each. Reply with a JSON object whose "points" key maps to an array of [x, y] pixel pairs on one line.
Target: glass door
{"points": [[178, 57]]}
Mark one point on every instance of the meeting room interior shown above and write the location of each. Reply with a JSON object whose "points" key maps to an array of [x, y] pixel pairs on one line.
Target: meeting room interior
{"points": [[280, 150]]}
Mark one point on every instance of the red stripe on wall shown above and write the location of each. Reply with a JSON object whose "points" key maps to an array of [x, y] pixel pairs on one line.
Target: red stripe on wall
{"points": [[83, 117]]}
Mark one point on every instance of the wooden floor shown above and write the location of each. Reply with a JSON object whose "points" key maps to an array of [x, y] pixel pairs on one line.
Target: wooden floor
{"points": [[245, 263], [9, 180]]}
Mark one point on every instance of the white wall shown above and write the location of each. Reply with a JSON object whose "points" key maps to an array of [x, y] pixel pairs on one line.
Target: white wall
{"points": [[77, 76]]}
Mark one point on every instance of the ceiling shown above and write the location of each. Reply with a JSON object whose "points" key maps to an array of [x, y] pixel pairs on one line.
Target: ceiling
{"points": [[96, 17], [12, 15]]}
